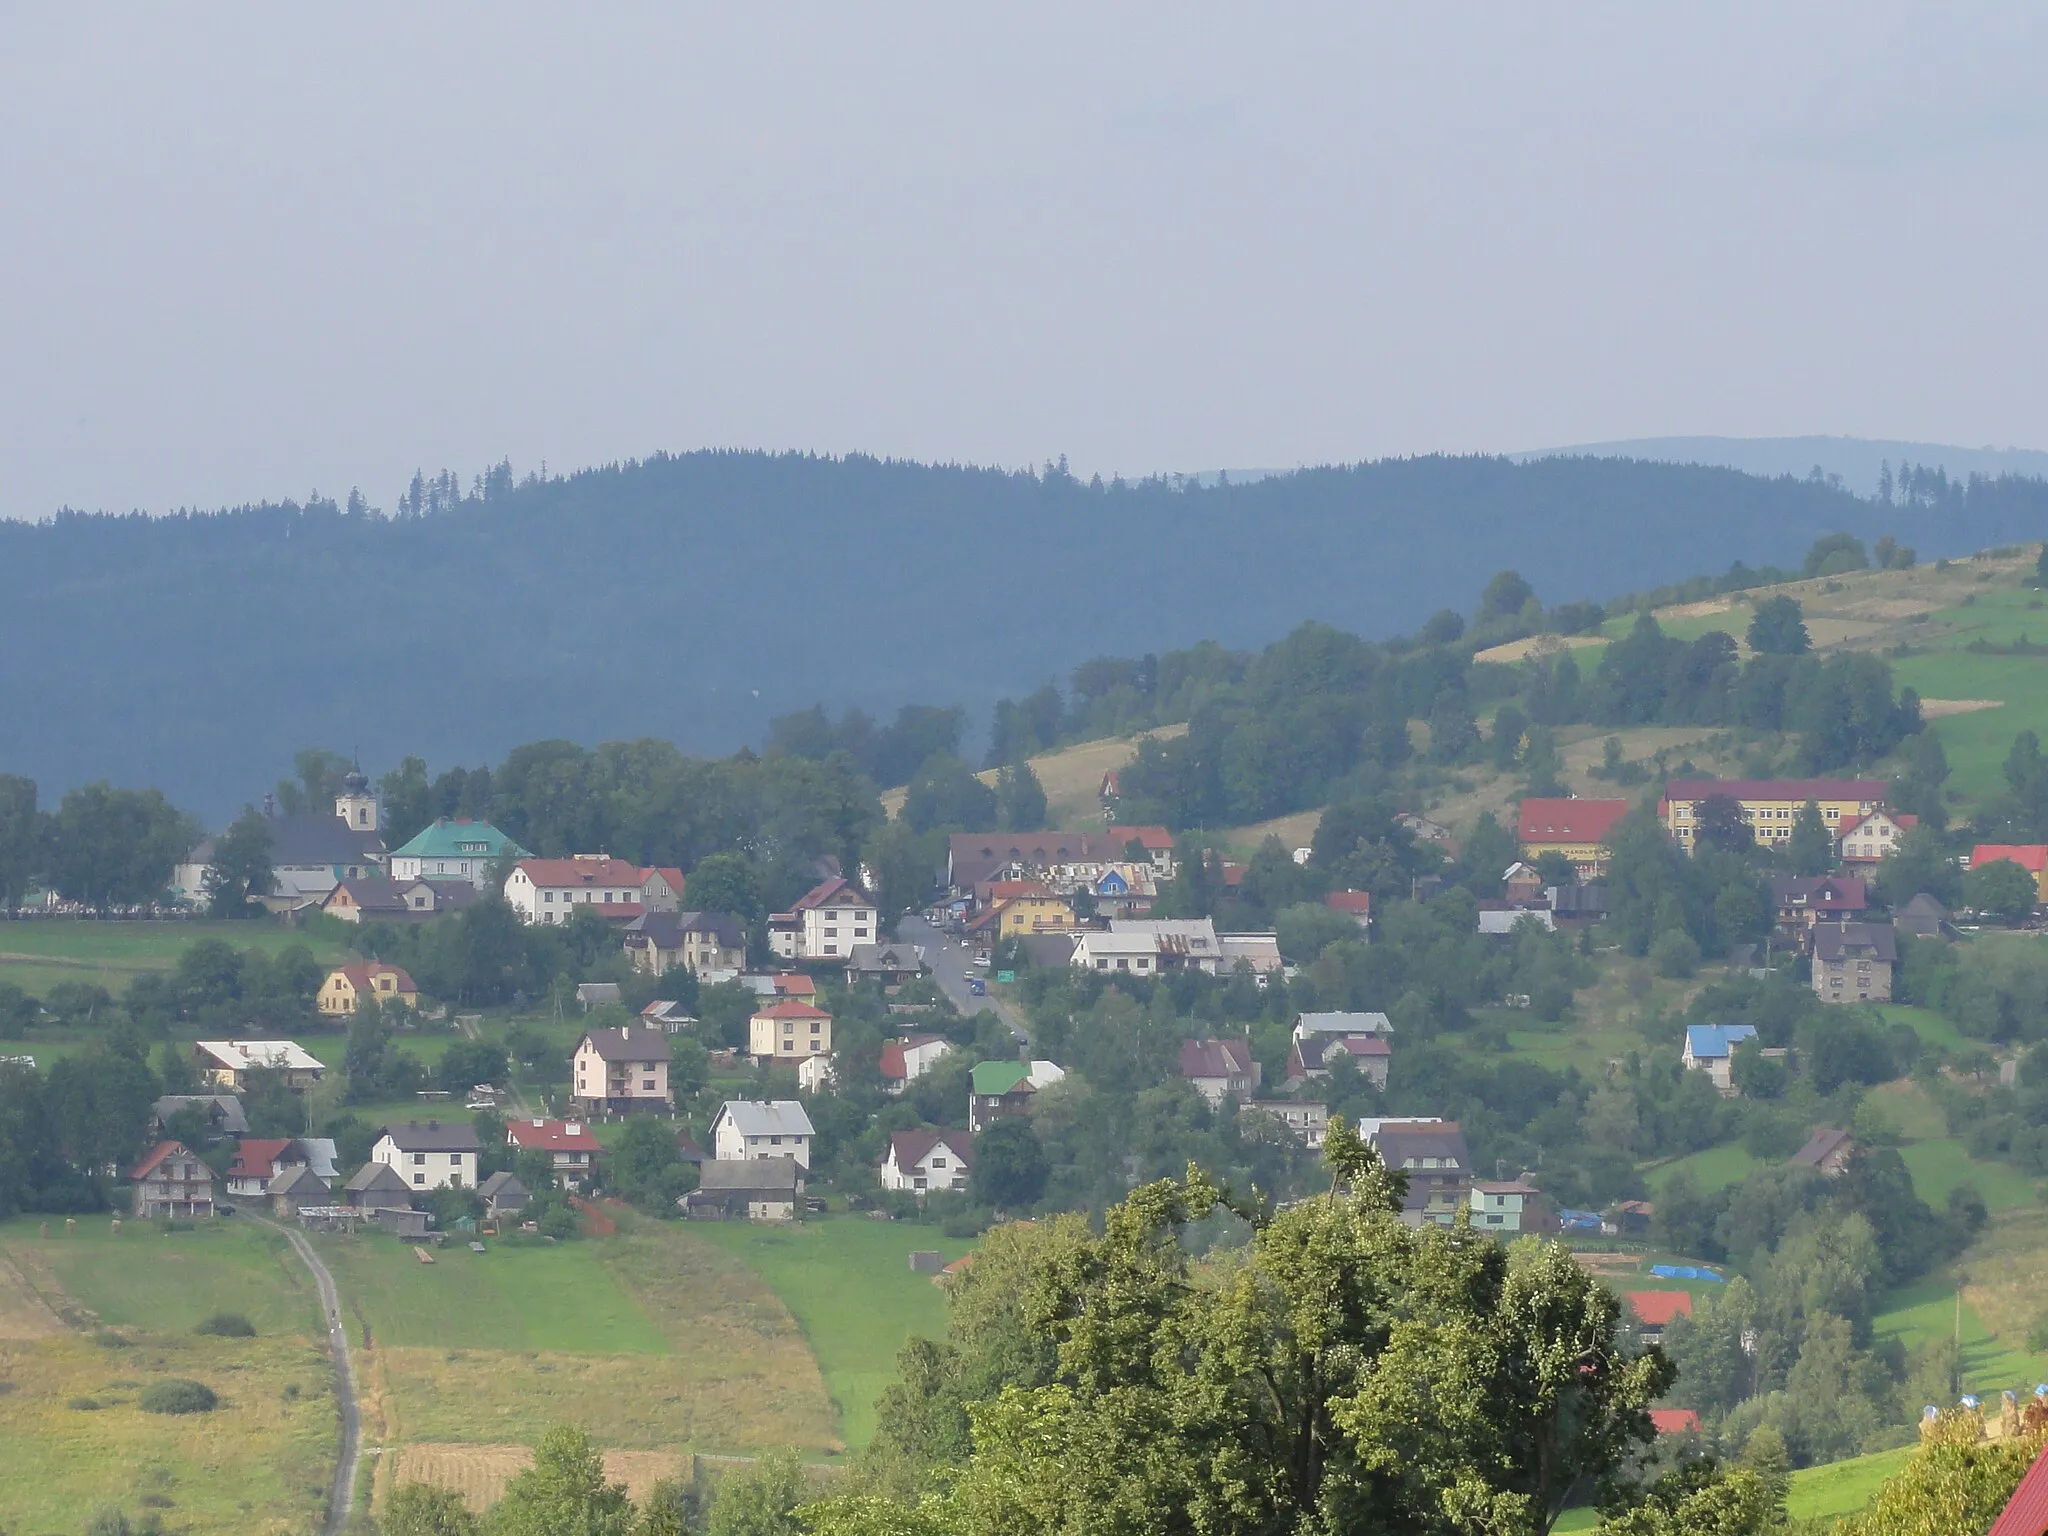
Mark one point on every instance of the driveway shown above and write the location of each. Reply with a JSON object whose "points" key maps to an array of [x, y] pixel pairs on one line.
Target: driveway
{"points": [[948, 956], [342, 1494]]}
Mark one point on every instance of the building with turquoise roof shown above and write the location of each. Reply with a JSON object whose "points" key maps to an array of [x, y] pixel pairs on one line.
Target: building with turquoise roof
{"points": [[453, 849]]}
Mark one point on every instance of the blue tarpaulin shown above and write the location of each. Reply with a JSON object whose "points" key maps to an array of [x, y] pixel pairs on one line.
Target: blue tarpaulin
{"points": [[1577, 1221], [1684, 1272]]}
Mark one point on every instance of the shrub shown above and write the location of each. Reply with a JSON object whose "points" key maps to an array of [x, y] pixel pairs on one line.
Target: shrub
{"points": [[178, 1394], [1675, 955], [84, 1404], [226, 1325]]}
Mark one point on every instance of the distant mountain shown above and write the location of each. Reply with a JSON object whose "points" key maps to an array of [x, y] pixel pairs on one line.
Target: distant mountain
{"points": [[694, 597], [1857, 460]]}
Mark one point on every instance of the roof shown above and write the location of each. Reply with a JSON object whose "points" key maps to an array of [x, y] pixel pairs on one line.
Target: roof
{"points": [[1837, 941], [1342, 1024], [626, 1042], [1711, 1042], [1396, 1141], [1924, 905], [432, 1136], [993, 1079], [1676, 1421], [1505, 1187], [257, 1156], [1151, 839], [1568, 821], [666, 929], [1822, 1145], [298, 1179], [1820, 893], [829, 891], [503, 1185], [1872, 790], [775, 1117], [2026, 1512], [362, 975], [790, 1008], [372, 1177], [1357, 903], [1215, 1058], [1656, 1308], [894, 1067], [2032, 857], [314, 838], [765, 1175], [273, 1054], [585, 871], [1899, 819], [1010, 890], [225, 1108], [157, 1154], [459, 838], [551, 1135], [370, 893], [909, 1148], [884, 957], [320, 1154]]}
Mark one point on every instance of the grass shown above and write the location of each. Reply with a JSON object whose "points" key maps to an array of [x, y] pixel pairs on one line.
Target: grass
{"points": [[1843, 1487], [1940, 1166], [1715, 1168], [258, 1463], [1930, 1026], [36, 955], [849, 1284], [1928, 1309], [651, 1340]]}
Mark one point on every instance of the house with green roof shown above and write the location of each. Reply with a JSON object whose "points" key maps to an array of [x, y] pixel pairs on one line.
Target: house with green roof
{"points": [[454, 849], [998, 1089]]}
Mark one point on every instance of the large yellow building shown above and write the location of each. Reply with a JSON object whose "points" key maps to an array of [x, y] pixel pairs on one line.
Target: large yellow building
{"points": [[1578, 829], [1770, 806]]}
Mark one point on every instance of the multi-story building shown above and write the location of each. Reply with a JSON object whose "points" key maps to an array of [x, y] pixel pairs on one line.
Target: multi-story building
{"points": [[549, 890], [457, 849], [171, 1181], [1769, 806], [571, 1147], [922, 1161], [1577, 829], [745, 1129], [430, 1154], [1867, 839], [788, 1032], [825, 925], [699, 942], [620, 1071], [1852, 962], [1432, 1153]]}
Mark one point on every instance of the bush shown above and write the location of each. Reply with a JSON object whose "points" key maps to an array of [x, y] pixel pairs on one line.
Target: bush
{"points": [[226, 1325], [1675, 955], [91, 1404], [178, 1394]]}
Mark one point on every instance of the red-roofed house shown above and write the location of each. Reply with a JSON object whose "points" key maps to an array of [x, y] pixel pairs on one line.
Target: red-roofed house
{"points": [[1578, 829], [2026, 1512], [170, 1181], [1356, 905], [789, 1032], [908, 1058], [921, 1161], [1675, 1421], [549, 890], [571, 1147], [1219, 1068], [258, 1159], [1655, 1309], [1804, 900], [1867, 839], [826, 924], [346, 986], [2032, 857]]}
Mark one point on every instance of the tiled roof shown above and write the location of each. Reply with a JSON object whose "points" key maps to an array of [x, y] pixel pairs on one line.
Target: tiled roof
{"points": [[776, 1117], [1820, 893], [829, 891], [1568, 820], [909, 1148], [790, 1008], [1675, 1421], [456, 839], [1842, 941], [2029, 856], [1822, 1145], [156, 1155], [313, 838], [1357, 903], [628, 1042], [363, 976], [1215, 1058], [551, 1135], [1656, 1308], [256, 1156], [432, 1136], [584, 873]]}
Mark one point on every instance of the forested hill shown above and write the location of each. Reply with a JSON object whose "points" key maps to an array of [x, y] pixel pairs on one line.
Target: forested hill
{"points": [[694, 597]]}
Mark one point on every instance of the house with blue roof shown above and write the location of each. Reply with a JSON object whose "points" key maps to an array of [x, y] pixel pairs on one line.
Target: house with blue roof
{"points": [[454, 849], [1710, 1048]]}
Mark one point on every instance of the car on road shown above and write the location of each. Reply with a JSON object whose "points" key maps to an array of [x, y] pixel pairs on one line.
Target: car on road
{"points": [[977, 986]]}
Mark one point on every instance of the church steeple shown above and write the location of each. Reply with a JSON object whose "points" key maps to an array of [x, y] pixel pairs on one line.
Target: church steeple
{"points": [[357, 804]]}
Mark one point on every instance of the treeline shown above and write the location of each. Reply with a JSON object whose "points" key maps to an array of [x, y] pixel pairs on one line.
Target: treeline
{"points": [[104, 848]]}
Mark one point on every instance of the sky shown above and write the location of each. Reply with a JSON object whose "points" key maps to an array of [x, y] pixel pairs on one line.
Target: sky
{"points": [[251, 251]]}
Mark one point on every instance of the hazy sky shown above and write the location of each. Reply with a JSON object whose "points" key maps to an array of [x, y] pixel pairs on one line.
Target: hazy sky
{"points": [[250, 250]]}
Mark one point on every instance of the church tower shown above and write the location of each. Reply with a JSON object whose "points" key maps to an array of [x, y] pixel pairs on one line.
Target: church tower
{"points": [[356, 805]]}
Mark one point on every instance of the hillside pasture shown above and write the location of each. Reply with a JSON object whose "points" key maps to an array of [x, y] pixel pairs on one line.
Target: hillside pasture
{"points": [[38, 953]]}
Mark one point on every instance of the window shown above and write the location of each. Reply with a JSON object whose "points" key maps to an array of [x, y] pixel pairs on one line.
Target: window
{"points": [[419, 1178], [419, 1157], [547, 896]]}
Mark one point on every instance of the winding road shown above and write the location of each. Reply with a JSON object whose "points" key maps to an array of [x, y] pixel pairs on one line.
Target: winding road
{"points": [[342, 1495]]}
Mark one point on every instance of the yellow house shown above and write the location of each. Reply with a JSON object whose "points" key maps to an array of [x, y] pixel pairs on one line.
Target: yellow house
{"points": [[1034, 914], [346, 986], [789, 1031], [1770, 806], [1576, 828]]}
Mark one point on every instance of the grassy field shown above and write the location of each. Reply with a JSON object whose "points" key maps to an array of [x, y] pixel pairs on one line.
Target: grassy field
{"points": [[651, 1340], [1071, 778], [1715, 1168], [1928, 1310], [37, 954], [1818, 1493], [1939, 1166], [88, 1319], [848, 1282]]}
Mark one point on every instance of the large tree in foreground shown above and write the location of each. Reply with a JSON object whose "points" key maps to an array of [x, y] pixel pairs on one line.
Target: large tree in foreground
{"points": [[1344, 1372]]}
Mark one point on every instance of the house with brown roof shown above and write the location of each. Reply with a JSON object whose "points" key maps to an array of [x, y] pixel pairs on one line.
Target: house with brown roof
{"points": [[571, 1148], [172, 1182], [1865, 840], [1852, 962], [922, 1161], [1800, 901], [620, 1071], [1827, 1151], [826, 923], [1576, 829], [548, 891], [788, 1032], [1220, 1068], [342, 993], [699, 942], [1432, 1154], [294, 1188]]}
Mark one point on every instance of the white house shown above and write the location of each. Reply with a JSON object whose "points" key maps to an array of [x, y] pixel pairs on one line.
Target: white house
{"points": [[224, 1063], [826, 924], [549, 890], [921, 1161], [1132, 954], [1867, 839], [745, 1129], [1219, 1068], [909, 1057], [1309, 1123], [1710, 1048], [429, 1155], [453, 850], [1499, 1207]]}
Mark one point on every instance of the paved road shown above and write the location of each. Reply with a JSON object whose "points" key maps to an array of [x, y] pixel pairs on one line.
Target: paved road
{"points": [[343, 1492], [948, 958]]}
